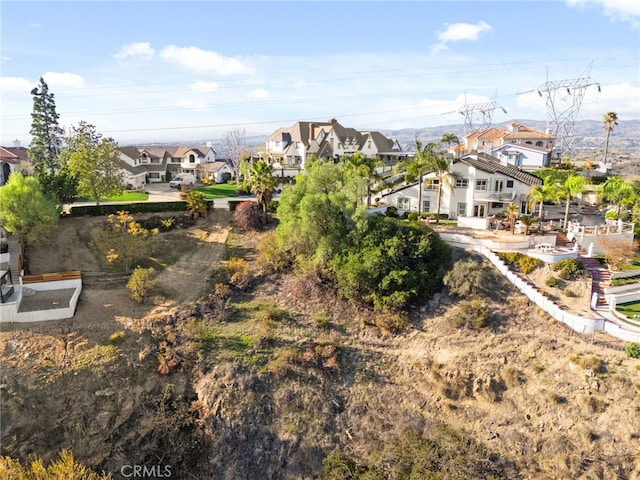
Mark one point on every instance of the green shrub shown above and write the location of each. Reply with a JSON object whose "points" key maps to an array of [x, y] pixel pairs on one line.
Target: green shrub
{"points": [[142, 283], [117, 337], [632, 350], [551, 282], [568, 268], [524, 263], [568, 292], [472, 314], [611, 215], [140, 207], [466, 278], [413, 216], [238, 272]]}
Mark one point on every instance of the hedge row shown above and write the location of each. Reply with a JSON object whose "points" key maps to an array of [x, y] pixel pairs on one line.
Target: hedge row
{"points": [[142, 207]]}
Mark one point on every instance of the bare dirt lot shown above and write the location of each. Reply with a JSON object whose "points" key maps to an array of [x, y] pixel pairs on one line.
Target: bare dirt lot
{"points": [[544, 401]]}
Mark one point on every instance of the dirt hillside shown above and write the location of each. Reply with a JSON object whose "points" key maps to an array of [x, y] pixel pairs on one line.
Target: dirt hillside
{"points": [[285, 372]]}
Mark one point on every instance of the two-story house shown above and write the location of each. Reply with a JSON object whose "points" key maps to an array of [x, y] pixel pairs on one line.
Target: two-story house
{"points": [[530, 149], [477, 188], [288, 147], [155, 164]]}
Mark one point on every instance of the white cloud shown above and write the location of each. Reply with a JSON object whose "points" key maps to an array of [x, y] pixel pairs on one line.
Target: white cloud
{"points": [[16, 84], [6, 58], [204, 61], [457, 32], [258, 93], [141, 50], [36, 25], [205, 87], [624, 10], [71, 80], [451, 108]]}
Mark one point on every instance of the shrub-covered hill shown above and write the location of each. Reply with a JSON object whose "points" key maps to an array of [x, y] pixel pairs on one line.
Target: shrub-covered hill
{"points": [[277, 376]]}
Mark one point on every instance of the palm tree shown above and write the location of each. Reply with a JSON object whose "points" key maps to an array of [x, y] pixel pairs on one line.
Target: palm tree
{"points": [[441, 167], [527, 221], [366, 168], [573, 185], [615, 189], [512, 215], [609, 121], [450, 138], [262, 184], [419, 166]]}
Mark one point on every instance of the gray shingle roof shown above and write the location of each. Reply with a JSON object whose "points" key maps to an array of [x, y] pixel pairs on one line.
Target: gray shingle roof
{"points": [[490, 164]]}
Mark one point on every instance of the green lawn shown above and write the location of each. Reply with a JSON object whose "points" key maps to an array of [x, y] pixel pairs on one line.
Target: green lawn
{"points": [[125, 197], [218, 190], [631, 309]]}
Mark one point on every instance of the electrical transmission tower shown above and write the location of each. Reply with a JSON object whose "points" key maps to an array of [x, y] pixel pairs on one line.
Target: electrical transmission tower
{"points": [[477, 116], [564, 98]]}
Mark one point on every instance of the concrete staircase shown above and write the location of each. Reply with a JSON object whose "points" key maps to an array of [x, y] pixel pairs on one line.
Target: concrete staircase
{"points": [[600, 276]]}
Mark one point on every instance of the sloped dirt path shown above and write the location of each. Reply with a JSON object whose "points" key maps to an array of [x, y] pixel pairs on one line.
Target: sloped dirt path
{"points": [[187, 279]]}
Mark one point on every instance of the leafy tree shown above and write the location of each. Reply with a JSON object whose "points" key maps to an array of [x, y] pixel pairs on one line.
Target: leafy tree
{"points": [[262, 184], [609, 121], [197, 204], [25, 211], [573, 185], [389, 263], [618, 191], [94, 161], [315, 211], [123, 241]]}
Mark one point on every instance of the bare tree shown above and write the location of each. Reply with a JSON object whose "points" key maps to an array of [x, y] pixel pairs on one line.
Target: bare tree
{"points": [[235, 145]]}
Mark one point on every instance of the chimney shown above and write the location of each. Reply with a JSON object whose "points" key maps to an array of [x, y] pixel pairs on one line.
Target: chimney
{"points": [[312, 131], [16, 143], [333, 121]]}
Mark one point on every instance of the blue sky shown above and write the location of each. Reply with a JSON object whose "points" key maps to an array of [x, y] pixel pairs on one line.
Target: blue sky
{"points": [[170, 71]]}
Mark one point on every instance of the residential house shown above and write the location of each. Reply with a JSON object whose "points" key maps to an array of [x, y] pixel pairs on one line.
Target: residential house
{"points": [[8, 163], [539, 145], [18, 158], [216, 171], [157, 164], [288, 147], [526, 157], [478, 188]]}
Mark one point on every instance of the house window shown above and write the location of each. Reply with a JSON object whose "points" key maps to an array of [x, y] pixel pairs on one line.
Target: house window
{"points": [[499, 185], [496, 205], [404, 203], [479, 210], [481, 186], [431, 184], [426, 205], [509, 183], [462, 182], [462, 209], [154, 175], [192, 158], [538, 144]]}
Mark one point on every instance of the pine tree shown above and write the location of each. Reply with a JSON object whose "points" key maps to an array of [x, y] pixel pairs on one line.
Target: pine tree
{"points": [[46, 144], [46, 133]]}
